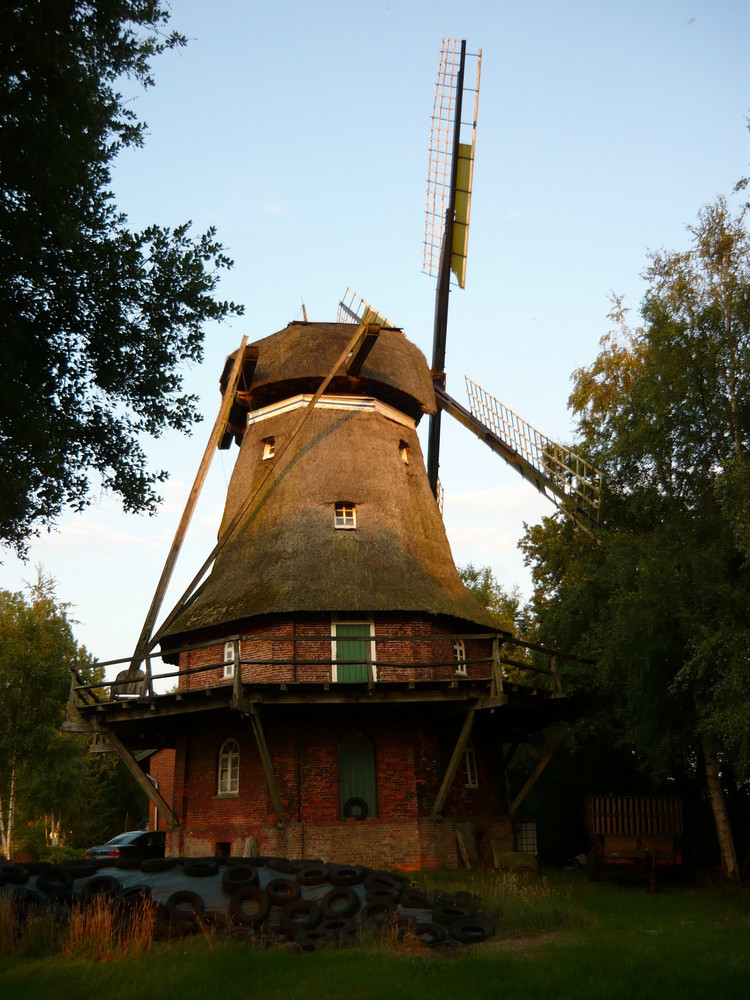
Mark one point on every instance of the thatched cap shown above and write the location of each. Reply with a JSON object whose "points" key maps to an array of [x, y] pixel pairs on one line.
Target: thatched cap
{"points": [[287, 556], [297, 359]]}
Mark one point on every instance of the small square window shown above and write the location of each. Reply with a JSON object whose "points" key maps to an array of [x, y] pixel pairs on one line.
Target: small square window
{"points": [[269, 448], [345, 515]]}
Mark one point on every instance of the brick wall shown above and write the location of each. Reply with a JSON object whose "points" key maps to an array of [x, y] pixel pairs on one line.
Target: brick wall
{"points": [[411, 755], [405, 649]]}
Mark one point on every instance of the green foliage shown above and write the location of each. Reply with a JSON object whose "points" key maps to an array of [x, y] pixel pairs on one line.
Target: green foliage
{"points": [[506, 604], [52, 790], [97, 319], [661, 601]]}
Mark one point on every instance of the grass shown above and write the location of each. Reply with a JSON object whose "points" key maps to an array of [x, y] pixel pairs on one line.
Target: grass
{"points": [[559, 937]]}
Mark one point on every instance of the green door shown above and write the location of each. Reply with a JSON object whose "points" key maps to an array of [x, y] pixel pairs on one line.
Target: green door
{"points": [[351, 646], [357, 783]]}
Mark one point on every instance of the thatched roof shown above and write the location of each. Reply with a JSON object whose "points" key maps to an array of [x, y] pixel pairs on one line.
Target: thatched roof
{"points": [[286, 555], [298, 358]]}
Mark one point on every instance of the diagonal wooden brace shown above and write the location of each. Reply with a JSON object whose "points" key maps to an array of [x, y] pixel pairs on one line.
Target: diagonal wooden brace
{"points": [[140, 776], [265, 758], [455, 760]]}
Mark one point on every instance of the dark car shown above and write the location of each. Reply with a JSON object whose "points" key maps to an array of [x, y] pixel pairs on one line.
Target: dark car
{"points": [[136, 844]]}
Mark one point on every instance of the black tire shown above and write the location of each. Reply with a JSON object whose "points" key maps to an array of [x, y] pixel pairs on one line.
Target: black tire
{"points": [[102, 886], [593, 866], [260, 906], [282, 865], [313, 874], [14, 874], [135, 895], [346, 874], [471, 930], [54, 880], [340, 903], [415, 899], [301, 914], [431, 934], [237, 877], [384, 880], [282, 891], [356, 807], [378, 914], [338, 928], [81, 871], [27, 901], [158, 864], [184, 906], [383, 895], [201, 868], [449, 913]]}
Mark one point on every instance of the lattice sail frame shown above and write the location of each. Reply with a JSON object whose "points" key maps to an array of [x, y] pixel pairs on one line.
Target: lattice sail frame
{"points": [[440, 162], [353, 309], [570, 475]]}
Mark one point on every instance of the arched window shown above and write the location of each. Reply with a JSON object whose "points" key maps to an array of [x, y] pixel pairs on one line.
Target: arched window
{"points": [[357, 781], [459, 654], [229, 768], [228, 659]]}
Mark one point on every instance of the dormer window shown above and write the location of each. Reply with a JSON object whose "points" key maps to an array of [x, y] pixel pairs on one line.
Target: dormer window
{"points": [[344, 515], [403, 450], [269, 448]]}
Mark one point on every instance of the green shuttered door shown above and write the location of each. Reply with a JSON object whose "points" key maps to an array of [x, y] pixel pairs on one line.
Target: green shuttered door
{"points": [[351, 651]]}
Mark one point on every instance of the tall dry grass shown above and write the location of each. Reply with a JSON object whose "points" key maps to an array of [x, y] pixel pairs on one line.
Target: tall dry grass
{"points": [[102, 929]]}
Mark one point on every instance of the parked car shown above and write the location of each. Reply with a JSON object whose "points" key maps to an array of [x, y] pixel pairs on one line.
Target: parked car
{"points": [[135, 844]]}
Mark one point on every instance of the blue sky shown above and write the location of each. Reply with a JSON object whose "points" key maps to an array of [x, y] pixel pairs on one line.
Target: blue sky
{"points": [[300, 130]]}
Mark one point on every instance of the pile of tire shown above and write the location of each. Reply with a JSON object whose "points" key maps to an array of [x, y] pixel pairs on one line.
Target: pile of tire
{"points": [[308, 902]]}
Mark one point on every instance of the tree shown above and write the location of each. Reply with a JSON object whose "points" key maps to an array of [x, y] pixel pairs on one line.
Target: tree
{"points": [[37, 651], [97, 319], [507, 605], [662, 600]]}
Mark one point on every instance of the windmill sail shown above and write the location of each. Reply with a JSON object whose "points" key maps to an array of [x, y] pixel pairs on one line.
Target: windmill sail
{"points": [[450, 139], [565, 478], [450, 172]]}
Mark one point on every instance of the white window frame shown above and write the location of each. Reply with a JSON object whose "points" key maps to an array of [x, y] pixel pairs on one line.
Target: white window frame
{"points": [[228, 772], [470, 763], [269, 448], [344, 515], [403, 450], [352, 621], [459, 654], [229, 659]]}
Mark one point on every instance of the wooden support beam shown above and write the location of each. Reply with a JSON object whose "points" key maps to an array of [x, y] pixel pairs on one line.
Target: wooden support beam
{"points": [[143, 782], [352, 347], [358, 357], [144, 644], [455, 760], [265, 758], [550, 753]]}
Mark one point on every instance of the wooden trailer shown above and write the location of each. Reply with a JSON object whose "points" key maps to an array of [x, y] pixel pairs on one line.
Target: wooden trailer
{"points": [[633, 831]]}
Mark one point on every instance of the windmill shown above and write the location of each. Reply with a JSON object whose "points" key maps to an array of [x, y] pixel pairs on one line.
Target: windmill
{"points": [[339, 692], [556, 471]]}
